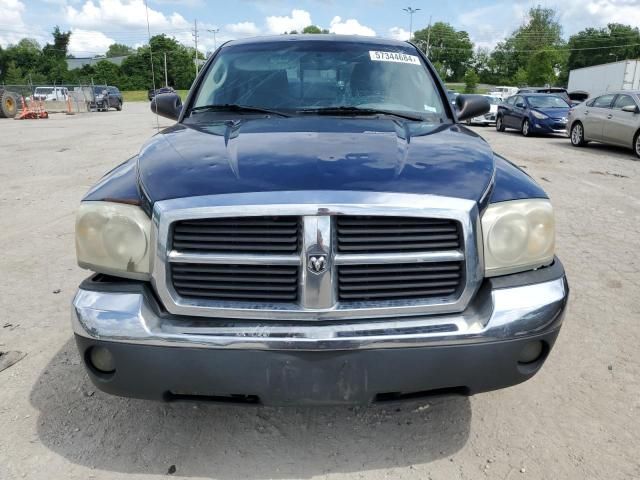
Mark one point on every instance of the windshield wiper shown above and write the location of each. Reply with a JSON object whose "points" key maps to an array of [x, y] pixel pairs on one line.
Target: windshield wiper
{"points": [[353, 110], [232, 107]]}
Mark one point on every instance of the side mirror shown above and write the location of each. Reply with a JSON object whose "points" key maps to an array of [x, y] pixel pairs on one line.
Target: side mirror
{"points": [[167, 105], [520, 105], [631, 109], [470, 106]]}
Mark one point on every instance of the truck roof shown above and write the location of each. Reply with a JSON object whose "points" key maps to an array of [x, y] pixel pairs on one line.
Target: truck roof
{"points": [[387, 42]]}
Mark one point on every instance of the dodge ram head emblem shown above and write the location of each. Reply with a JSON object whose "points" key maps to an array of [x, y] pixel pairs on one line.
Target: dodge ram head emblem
{"points": [[317, 263]]}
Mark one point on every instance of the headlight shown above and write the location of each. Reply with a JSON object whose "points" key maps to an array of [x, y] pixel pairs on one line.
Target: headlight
{"points": [[539, 115], [113, 238], [518, 235]]}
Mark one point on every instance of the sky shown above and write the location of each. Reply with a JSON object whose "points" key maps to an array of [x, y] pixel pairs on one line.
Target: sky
{"points": [[98, 23]]}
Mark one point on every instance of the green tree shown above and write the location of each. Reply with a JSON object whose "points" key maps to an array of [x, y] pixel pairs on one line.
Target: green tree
{"points": [[118, 50], [470, 81], [441, 69], [595, 46], [311, 29], [521, 78], [524, 48], [107, 73], [60, 46], [136, 71], [13, 75], [448, 46]]}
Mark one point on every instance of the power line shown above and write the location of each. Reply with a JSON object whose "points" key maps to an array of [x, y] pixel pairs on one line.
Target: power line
{"points": [[559, 49]]}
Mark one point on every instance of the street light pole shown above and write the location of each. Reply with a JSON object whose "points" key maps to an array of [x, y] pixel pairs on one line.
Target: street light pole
{"points": [[166, 81], [214, 31], [411, 11]]}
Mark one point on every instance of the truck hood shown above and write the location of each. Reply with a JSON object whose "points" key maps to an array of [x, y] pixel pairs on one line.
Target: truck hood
{"points": [[315, 153]]}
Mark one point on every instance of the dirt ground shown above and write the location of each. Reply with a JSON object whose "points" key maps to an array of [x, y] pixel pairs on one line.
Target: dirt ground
{"points": [[578, 418]]}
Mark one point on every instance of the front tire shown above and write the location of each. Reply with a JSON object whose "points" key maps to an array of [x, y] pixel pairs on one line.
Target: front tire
{"points": [[636, 144], [577, 135], [119, 106], [499, 125], [8, 105], [526, 128]]}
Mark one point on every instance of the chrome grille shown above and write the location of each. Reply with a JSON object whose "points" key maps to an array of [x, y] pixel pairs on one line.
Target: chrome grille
{"points": [[400, 281], [236, 282], [238, 235], [322, 255], [368, 234]]}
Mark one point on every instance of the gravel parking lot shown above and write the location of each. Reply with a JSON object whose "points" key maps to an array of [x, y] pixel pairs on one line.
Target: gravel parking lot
{"points": [[579, 418]]}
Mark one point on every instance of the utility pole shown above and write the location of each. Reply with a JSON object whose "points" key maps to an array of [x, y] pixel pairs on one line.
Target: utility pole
{"points": [[195, 39], [411, 11], [429, 36], [214, 31], [166, 82]]}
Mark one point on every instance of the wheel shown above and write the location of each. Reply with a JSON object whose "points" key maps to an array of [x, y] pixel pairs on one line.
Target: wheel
{"points": [[577, 135], [499, 125], [119, 106], [636, 144], [526, 128], [8, 105]]}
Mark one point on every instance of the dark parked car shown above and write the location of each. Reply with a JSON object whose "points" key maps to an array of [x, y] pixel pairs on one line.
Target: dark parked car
{"points": [[533, 113], [317, 227], [106, 97], [152, 93]]}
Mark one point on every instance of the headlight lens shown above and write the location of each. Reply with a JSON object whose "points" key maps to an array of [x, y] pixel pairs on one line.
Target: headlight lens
{"points": [[113, 238], [539, 115], [518, 235]]}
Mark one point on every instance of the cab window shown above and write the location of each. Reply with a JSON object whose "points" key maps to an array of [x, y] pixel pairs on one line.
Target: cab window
{"points": [[604, 101], [623, 101]]}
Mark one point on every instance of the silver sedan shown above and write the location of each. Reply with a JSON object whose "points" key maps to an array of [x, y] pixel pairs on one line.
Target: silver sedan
{"points": [[612, 118]]}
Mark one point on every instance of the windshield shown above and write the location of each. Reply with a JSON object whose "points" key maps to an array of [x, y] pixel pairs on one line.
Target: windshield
{"points": [[44, 90], [493, 100], [550, 101], [309, 75], [99, 90]]}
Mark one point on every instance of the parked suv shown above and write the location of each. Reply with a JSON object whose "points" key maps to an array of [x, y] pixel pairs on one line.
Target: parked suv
{"points": [[106, 97], [317, 227], [612, 118]]}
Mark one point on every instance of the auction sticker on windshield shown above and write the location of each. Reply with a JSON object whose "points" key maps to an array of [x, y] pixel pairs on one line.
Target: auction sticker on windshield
{"points": [[393, 57]]}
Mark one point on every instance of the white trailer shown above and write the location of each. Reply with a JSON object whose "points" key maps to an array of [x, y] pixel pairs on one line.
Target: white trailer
{"points": [[623, 75]]}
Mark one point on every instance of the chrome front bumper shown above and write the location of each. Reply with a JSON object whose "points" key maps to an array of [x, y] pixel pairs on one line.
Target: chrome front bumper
{"points": [[133, 316]]}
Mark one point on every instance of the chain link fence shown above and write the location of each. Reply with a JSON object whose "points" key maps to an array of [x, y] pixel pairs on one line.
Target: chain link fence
{"points": [[57, 98]]}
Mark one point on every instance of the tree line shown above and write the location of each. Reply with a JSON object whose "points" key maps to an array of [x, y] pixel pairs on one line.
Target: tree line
{"points": [[534, 54], [26, 63]]}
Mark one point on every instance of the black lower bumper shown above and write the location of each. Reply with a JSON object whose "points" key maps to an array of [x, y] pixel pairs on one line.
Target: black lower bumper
{"points": [[312, 377]]}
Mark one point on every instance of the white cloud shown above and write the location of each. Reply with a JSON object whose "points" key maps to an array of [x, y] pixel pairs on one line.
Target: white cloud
{"points": [[88, 43], [297, 21], [578, 14], [121, 13], [15, 30], [242, 29], [399, 33], [350, 27]]}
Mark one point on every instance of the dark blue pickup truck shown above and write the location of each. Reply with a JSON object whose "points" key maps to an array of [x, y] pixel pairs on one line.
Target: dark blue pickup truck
{"points": [[316, 228]]}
